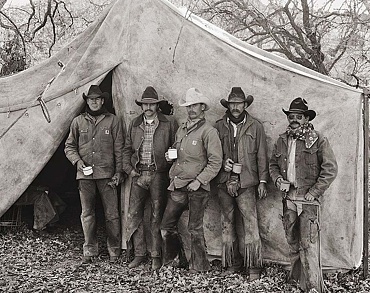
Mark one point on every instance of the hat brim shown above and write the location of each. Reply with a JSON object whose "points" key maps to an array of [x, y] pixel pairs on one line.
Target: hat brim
{"points": [[248, 100], [310, 113], [147, 101], [104, 95], [185, 104]]}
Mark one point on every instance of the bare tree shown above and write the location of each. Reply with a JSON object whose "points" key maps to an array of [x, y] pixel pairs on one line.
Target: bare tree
{"points": [[329, 39]]}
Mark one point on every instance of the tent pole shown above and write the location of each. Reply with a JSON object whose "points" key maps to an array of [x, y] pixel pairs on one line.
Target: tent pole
{"points": [[365, 254]]}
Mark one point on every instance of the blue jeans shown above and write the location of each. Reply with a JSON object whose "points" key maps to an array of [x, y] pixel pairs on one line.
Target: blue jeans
{"points": [[109, 200], [178, 202], [157, 183]]}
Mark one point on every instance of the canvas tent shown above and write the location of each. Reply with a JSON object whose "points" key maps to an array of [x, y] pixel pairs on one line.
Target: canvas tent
{"points": [[150, 42]]}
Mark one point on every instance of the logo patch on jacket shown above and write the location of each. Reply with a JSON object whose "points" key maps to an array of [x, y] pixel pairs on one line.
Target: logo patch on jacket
{"points": [[107, 131], [194, 142]]}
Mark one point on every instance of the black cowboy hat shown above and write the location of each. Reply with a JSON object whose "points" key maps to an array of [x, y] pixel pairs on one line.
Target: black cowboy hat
{"points": [[237, 96], [149, 96], [95, 92], [299, 106]]}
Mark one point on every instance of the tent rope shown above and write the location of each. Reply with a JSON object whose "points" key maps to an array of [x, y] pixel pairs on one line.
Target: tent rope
{"points": [[41, 101]]}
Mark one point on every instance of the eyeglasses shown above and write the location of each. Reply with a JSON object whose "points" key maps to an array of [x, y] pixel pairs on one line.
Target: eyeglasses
{"points": [[295, 116]]}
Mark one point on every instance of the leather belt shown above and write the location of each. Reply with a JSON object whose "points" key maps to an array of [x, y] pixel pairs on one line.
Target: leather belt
{"points": [[144, 167]]}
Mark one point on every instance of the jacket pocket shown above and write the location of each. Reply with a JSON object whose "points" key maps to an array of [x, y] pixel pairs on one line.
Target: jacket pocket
{"points": [[193, 147], [312, 162], [106, 135], [83, 136]]}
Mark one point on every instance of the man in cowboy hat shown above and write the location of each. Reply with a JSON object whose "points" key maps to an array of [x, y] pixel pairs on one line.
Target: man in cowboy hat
{"points": [[96, 141], [199, 158], [244, 143], [149, 137], [302, 167]]}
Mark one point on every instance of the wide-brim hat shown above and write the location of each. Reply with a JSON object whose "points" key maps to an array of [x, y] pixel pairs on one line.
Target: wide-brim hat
{"points": [[194, 96], [237, 96], [95, 92], [299, 106], [149, 96]]}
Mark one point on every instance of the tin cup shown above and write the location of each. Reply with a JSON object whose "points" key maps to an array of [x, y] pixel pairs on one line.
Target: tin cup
{"points": [[172, 154], [87, 170], [237, 168]]}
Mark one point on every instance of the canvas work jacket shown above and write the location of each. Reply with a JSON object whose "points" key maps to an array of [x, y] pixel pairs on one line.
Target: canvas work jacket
{"points": [[316, 166], [199, 155], [97, 144], [164, 137], [251, 151]]}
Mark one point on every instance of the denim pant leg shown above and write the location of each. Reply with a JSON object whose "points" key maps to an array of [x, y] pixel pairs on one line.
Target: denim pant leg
{"points": [[230, 245], [176, 205], [197, 205], [158, 199], [88, 198], [135, 218], [109, 200]]}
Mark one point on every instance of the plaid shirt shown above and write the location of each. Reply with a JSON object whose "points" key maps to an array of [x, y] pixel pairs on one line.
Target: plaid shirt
{"points": [[146, 148]]}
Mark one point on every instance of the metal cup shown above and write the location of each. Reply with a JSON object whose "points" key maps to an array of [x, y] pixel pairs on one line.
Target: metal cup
{"points": [[237, 168], [172, 154]]}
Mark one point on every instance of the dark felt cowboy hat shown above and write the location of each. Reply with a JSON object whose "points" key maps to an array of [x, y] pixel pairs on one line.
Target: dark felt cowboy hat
{"points": [[95, 92], [237, 96], [149, 96], [299, 106]]}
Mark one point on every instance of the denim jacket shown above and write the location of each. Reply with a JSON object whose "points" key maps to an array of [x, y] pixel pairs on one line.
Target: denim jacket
{"points": [[316, 167]]}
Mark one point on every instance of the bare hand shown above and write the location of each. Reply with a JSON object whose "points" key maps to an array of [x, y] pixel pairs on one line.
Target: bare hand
{"points": [[134, 173], [228, 165], [193, 186], [309, 197], [80, 165], [167, 158], [262, 190]]}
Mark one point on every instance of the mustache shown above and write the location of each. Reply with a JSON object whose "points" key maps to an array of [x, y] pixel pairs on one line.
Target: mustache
{"points": [[191, 112], [235, 111]]}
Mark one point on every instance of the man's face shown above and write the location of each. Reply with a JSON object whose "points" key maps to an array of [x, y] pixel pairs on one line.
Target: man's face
{"points": [[236, 108], [95, 104], [195, 111], [149, 110], [296, 120]]}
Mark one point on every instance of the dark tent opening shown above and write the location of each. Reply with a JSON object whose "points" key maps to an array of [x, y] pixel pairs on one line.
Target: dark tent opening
{"points": [[58, 178]]}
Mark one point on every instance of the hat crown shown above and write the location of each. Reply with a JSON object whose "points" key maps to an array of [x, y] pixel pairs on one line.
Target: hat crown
{"points": [[298, 105], [149, 93], [194, 96], [236, 95], [94, 91]]}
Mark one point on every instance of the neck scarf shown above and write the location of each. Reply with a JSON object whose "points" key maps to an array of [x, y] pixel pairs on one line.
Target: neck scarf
{"points": [[236, 120], [102, 110], [304, 132]]}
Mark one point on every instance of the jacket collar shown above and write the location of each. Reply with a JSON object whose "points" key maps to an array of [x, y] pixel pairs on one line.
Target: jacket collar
{"points": [[249, 121], [140, 119]]}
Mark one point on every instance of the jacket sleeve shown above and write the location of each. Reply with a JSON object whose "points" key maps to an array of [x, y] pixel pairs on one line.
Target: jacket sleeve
{"points": [[127, 152], [212, 144], [274, 167], [328, 168], [71, 145], [118, 144], [262, 158]]}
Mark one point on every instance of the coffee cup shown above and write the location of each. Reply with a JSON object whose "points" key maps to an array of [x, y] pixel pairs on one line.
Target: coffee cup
{"points": [[172, 154], [237, 168], [87, 170]]}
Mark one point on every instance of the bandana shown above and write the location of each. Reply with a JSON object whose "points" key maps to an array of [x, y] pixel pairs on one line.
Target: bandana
{"points": [[303, 132]]}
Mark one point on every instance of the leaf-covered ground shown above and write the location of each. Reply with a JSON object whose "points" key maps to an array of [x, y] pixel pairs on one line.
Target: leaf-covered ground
{"points": [[51, 262]]}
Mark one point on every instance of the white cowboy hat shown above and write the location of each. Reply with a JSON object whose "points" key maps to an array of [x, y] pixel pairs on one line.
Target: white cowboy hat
{"points": [[194, 96]]}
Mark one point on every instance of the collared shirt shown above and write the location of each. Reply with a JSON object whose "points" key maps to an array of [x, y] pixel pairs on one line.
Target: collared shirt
{"points": [[291, 175], [146, 148]]}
